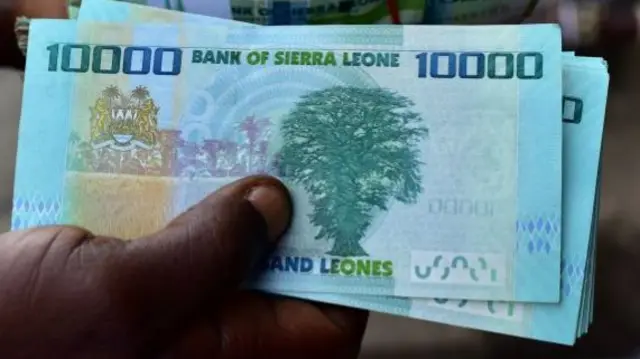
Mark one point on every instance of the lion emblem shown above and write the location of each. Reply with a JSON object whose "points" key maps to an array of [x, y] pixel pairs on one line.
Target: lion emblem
{"points": [[124, 121]]}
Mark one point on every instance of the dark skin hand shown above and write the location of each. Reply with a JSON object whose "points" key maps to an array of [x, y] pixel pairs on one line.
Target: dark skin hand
{"points": [[67, 293]]}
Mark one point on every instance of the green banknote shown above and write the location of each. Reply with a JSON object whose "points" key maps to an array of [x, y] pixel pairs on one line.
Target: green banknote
{"points": [[417, 168], [110, 11]]}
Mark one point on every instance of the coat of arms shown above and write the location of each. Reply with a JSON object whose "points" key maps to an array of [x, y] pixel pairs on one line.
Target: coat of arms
{"points": [[124, 121]]}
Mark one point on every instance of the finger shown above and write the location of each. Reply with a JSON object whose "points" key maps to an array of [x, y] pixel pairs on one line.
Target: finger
{"points": [[204, 252], [200, 341], [257, 325], [351, 321], [46, 9], [10, 54], [260, 325]]}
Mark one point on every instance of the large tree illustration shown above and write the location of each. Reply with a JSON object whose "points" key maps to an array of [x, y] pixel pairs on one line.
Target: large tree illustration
{"points": [[353, 150]]}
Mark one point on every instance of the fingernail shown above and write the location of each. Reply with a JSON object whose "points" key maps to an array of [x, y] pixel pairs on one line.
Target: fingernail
{"points": [[274, 205]]}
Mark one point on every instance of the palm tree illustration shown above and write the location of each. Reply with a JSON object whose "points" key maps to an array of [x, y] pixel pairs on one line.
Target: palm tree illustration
{"points": [[111, 93], [140, 94], [252, 128]]}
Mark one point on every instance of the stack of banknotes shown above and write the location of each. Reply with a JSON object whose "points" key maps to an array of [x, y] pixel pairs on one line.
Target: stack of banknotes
{"points": [[443, 173]]}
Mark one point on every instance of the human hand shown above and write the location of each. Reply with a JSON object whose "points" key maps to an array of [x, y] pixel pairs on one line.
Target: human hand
{"points": [[66, 293], [10, 54]]}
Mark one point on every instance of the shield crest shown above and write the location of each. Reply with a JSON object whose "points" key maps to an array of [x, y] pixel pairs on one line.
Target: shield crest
{"points": [[124, 121]]}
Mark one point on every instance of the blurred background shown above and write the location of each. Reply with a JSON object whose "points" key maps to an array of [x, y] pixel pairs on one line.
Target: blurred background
{"points": [[599, 28]]}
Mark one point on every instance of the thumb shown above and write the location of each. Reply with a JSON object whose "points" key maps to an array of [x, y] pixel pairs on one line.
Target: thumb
{"points": [[206, 251]]}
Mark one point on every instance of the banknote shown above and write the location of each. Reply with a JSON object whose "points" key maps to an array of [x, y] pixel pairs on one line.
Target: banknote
{"points": [[408, 177], [303, 12], [585, 94], [110, 11]]}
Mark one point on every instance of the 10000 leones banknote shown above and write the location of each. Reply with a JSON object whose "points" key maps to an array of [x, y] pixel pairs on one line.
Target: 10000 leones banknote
{"points": [[445, 157]]}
